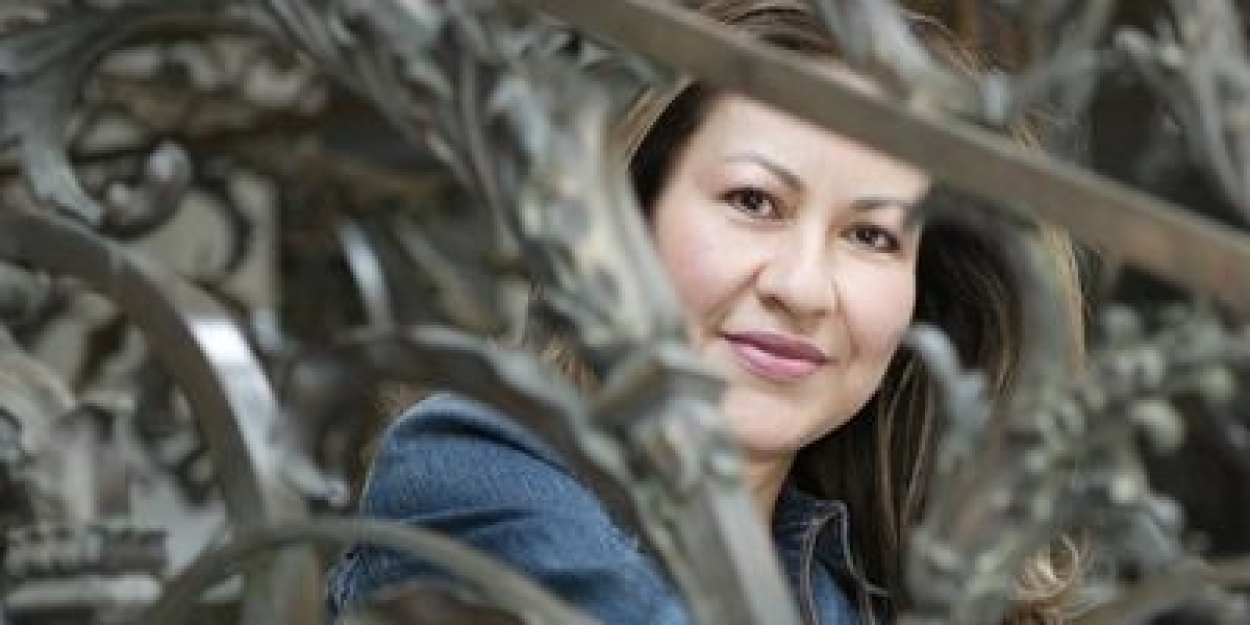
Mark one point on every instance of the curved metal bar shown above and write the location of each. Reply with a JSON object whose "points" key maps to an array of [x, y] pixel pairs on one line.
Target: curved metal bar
{"points": [[212, 364], [967, 547], [370, 277], [1028, 428], [497, 584]]}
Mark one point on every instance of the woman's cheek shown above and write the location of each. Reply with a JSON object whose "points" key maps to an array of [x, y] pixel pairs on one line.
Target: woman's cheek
{"points": [[698, 256], [696, 267], [880, 302]]}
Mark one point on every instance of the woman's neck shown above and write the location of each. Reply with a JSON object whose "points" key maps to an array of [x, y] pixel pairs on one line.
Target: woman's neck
{"points": [[765, 476]]}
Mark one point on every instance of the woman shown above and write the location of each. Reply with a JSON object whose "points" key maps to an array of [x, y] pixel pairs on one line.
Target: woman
{"points": [[799, 269]]}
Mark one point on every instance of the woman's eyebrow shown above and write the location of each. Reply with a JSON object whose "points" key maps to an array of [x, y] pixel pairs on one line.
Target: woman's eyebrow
{"points": [[778, 170], [791, 180], [872, 203]]}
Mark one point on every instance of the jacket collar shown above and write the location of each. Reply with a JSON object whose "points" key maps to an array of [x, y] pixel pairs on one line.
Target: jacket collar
{"points": [[803, 522]]}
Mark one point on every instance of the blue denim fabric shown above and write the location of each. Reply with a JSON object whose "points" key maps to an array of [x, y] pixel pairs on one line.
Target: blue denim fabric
{"points": [[461, 468]]}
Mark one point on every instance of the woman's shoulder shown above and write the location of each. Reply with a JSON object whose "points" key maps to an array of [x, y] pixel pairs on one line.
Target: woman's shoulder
{"points": [[467, 470], [451, 447], [450, 414]]}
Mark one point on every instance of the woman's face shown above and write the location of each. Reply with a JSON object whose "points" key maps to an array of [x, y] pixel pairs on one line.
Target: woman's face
{"points": [[790, 250]]}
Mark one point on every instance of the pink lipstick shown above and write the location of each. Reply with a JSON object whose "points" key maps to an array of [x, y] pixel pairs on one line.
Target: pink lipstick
{"points": [[775, 356]]}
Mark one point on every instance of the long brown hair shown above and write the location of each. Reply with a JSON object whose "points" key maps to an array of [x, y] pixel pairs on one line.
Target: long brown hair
{"points": [[878, 463]]}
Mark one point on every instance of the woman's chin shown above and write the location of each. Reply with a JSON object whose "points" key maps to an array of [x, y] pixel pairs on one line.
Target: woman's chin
{"points": [[762, 423]]}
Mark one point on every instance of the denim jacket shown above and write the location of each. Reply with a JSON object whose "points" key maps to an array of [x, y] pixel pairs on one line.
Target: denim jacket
{"points": [[461, 468]]}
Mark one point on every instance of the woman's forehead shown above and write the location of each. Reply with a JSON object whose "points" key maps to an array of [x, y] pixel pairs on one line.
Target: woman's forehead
{"points": [[736, 125]]}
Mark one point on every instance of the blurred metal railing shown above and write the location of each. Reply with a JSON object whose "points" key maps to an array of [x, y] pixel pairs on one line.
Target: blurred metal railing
{"points": [[220, 221]]}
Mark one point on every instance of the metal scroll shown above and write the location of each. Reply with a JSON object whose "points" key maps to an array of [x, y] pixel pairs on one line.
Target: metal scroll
{"points": [[225, 227]]}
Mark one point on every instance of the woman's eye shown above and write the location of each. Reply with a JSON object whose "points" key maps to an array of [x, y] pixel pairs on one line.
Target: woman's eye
{"points": [[875, 238], [754, 203]]}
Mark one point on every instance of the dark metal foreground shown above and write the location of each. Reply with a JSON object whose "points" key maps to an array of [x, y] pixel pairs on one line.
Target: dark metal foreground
{"points": [[213, 251]]}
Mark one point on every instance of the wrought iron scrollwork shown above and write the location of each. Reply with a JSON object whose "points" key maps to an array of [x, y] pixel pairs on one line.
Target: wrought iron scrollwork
{"points": [[220, 221]]}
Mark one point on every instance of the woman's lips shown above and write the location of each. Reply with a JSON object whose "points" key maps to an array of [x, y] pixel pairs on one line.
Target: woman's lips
{"points": [[774, 356]]}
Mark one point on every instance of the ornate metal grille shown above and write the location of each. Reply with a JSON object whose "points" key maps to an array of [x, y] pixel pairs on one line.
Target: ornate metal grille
{"points": [[225, 224]]}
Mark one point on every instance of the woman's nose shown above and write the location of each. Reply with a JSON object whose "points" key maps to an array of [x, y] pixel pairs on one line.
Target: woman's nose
{"points": [[797, 277]]}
